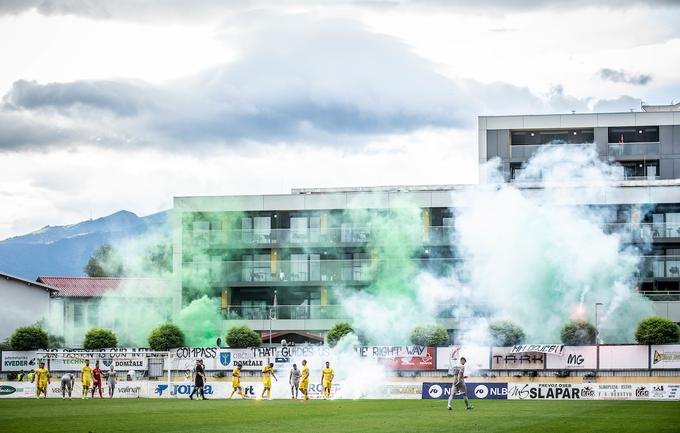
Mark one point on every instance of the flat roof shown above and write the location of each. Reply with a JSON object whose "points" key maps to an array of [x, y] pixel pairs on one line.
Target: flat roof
{"points": [[579, 120], [27, 282]]}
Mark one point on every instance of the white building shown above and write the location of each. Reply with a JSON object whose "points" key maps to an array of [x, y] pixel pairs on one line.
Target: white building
{"points": [[23, 303]]}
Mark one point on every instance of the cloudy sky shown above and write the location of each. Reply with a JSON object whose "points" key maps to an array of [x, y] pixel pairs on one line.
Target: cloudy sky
{"points": [[123, 104]]}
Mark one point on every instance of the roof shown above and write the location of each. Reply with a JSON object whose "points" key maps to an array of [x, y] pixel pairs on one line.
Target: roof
{"points": [[28, 283], [93, 287]]}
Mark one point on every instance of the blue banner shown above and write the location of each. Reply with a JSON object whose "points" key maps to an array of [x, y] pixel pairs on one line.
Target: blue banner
{"points": [[479, 390]]}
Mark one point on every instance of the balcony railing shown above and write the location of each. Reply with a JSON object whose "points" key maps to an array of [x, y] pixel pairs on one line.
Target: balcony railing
{"points": [[311, 236], [644, 232], [660, 267], [307, 312], [661, 295], [633, 149]]}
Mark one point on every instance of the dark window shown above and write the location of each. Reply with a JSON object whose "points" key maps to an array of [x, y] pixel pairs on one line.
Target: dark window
{"points": [[557, 136], [633, 169], [634, 134], [515, 170]]}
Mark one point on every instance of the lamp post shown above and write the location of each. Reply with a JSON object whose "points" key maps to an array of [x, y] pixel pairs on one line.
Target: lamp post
{"points": [[597, 329]]}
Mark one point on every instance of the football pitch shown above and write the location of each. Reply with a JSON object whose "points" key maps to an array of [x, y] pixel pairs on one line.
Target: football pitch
{"points": [[428, 416]]}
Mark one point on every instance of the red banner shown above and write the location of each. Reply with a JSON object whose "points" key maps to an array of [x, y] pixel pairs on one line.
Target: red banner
{"points": [[423, 361]]}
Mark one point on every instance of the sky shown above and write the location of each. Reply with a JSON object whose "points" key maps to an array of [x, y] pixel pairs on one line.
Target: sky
{"points": [[123, 104]]}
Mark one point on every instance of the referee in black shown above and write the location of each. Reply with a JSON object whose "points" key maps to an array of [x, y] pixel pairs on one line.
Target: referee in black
{"points": [[199, 380]]}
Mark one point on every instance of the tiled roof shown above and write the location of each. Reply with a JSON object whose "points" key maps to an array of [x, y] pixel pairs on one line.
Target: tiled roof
{"points": [[88, 287]]}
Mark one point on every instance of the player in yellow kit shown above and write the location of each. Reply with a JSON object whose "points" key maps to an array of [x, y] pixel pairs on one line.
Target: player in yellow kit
{"points": [[86, 372], [42, 378], [267, 373], [236, 381], [327, 375], [304, 379]]}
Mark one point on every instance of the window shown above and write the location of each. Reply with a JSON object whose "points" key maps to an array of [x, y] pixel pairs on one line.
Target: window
{"points": [[298, 229], [78, 314], [557, 136], [262, 229], [640, 169], [516, 169], [634, 134], [298, 267]]}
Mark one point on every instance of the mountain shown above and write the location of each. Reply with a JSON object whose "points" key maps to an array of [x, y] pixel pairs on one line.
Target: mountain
{"points": [[64, 250]]}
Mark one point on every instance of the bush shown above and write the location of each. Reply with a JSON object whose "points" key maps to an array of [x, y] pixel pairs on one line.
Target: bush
{"points": [[578, 333], [242, 337], [29, 338], [338, 331], [657, 330], [506, 333], [166, 337], [97, 338], [430, 335]]}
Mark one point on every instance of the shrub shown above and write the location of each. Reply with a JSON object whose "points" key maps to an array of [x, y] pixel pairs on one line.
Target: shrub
{"points": [[29, 338], [97, 338], [578, 333], [166, 337], [429, 335], [506, 333], [338, 331], [657, 330], [242, 337]]}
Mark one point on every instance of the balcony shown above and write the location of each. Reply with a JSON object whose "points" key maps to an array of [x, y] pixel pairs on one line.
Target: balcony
{"points": [[633, 149], [345, 236], [660, 267], [645, 232]]}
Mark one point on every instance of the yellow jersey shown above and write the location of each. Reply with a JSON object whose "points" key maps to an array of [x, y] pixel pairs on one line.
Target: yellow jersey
{"points": [[236, 377], [327, 374], [41, 375], [305, 374], [87, 373], [266, 371]]}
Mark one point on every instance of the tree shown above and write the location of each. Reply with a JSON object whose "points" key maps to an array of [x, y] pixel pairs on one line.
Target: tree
{"points": [[506, 333], [29, 338], [578, 333], [338, 331], [429, 335], [166, 337], [158, 259], [97, 338], [242, 337], [657, 330], [105, 262]]}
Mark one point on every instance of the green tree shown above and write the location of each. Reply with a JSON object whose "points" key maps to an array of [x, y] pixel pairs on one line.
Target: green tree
{"points": [[506, 333], [578, 333], [166, 337], [105, 262], [29, 338], [242, 337], [429, 335], [657, 330], [97, 338], [338, 331], [158, 259]]}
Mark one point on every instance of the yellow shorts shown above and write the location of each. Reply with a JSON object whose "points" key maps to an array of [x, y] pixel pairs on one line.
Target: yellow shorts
{"points": [[86, 383], [267, 382], [327, 384], [304, 385], [235, 384], [42, 385]]}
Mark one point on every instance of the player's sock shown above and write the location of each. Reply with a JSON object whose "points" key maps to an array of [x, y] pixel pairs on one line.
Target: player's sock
{"points": [[269, 393]]}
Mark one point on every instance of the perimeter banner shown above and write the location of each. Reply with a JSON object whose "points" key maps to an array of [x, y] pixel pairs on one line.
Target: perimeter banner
{"points": [[593, 391], [401, 357], [476, 390], [555, 349], [666, 356]]}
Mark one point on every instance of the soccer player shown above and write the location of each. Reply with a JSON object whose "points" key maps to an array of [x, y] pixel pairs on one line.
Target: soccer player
{"points": [[67, 385], [199, 380], [327, 375], [42, 377], [267, 373], [111, 380], [294, 380], [458, 386], [86, 373], [236, 381], [97, 379], [304, 379]]}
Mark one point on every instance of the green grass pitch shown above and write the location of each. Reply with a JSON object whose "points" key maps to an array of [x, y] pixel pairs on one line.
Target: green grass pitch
{"points": [[429, 416]]}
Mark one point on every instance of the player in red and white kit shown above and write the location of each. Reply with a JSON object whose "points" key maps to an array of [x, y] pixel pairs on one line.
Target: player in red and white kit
{"points": [[97, 383]]}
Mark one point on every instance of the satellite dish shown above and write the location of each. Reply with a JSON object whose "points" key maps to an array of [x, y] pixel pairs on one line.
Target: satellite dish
{"points": [[219, 342]]}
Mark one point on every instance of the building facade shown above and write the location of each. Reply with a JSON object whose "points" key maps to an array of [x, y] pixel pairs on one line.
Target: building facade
{"points": [[24, 303]]}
